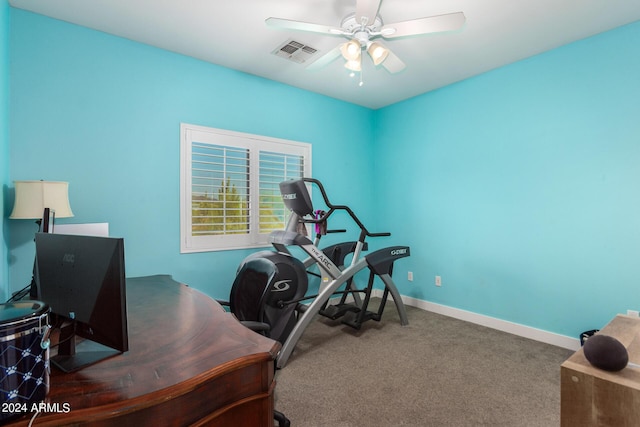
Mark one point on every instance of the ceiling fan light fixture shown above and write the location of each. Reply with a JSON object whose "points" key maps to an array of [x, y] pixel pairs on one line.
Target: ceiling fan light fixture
{"points": [[353, 65], [377, 52], [351, 50]]}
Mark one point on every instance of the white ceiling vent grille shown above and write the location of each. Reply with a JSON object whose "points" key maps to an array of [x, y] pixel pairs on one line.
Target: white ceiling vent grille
{"points": [[295, 51]]}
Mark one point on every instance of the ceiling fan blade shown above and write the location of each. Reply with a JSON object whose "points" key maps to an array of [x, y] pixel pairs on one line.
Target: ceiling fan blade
{"points": [[393, 64], [287, 24], [367, 9], [325, 59], [431, 24]]}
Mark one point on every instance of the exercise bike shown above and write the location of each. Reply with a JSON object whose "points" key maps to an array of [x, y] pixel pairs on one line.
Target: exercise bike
{"points": [[280, 293]]}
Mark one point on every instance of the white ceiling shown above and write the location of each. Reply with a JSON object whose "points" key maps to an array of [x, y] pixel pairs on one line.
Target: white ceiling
{"points": [[232, 33]]}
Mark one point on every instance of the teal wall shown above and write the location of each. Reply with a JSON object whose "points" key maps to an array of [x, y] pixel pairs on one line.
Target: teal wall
{"points": [[520, 187], [104, 114], [4, 142]]}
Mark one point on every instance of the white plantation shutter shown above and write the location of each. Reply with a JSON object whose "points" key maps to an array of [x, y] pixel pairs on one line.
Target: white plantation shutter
{"points": [[275, 168], [219, 190], [229, 191]]}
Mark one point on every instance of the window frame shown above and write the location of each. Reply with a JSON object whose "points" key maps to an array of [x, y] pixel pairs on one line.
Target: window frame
{"points": [[255, 144]]}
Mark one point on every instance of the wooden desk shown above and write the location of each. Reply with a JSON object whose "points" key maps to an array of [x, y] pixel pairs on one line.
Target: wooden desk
{"points": [[593, 397], [189, 363]]}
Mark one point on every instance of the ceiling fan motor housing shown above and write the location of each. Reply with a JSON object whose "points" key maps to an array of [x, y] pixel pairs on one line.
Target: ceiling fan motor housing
{"points": [[349, 24], [362, 37]]}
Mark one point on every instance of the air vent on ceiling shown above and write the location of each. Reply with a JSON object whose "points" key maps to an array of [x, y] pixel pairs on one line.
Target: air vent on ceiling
{"points": [[295, 51]]}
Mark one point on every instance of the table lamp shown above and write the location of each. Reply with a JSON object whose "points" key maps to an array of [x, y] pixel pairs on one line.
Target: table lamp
{"points": [[42, 201], [34, 197]]}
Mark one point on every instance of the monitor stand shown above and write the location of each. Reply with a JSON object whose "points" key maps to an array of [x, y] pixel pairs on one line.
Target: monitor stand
{"points": [[75, 353]]}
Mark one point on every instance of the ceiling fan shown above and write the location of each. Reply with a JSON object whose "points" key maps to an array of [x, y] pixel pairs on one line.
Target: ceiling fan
{"points": [[365, 25]]}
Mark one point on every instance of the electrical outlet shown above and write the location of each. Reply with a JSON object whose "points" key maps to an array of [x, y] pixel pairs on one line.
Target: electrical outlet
{"points": [[634, 313], [438, 281], [410, 276]]}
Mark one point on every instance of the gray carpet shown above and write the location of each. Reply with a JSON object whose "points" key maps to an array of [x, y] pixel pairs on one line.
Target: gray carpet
{"points": [[437, 371]]}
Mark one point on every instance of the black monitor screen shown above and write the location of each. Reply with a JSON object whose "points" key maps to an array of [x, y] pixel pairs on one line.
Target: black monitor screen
{"points": [[82, 279]]}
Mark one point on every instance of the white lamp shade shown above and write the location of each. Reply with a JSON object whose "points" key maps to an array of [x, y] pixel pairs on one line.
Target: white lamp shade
{"points": [[32, 197], [351, 50], [353, 65], [377, 52]]}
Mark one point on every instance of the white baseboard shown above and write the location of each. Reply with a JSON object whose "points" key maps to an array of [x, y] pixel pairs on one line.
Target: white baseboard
{"points": [[492, 322]]}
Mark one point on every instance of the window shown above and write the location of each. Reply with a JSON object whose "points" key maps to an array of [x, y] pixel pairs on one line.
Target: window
{"points": [[229, 193]]}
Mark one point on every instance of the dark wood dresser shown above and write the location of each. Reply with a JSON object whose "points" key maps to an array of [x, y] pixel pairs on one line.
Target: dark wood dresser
{"points": [[189, 363]]}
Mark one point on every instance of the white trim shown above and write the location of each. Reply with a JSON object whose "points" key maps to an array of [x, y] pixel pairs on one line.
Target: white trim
{"points": [[492, 322], [255, 146]]}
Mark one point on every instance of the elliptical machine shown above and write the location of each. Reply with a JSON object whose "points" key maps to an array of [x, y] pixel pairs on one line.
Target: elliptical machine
{"points": [[285, 290]]}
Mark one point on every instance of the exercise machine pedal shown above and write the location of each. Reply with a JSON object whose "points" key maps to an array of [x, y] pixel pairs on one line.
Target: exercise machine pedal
{"points": [[336, 311], [337, 254], [355, 320]]}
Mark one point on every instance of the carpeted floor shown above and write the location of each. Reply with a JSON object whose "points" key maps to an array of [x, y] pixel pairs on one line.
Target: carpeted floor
{"points": [[437, 371]]}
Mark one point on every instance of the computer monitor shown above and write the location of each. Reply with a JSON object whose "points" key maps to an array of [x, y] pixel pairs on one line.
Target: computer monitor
{"points": [[82, 279]]}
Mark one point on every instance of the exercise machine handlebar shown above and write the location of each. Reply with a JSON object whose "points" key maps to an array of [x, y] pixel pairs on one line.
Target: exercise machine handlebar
{"points": [[333, 208]]}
